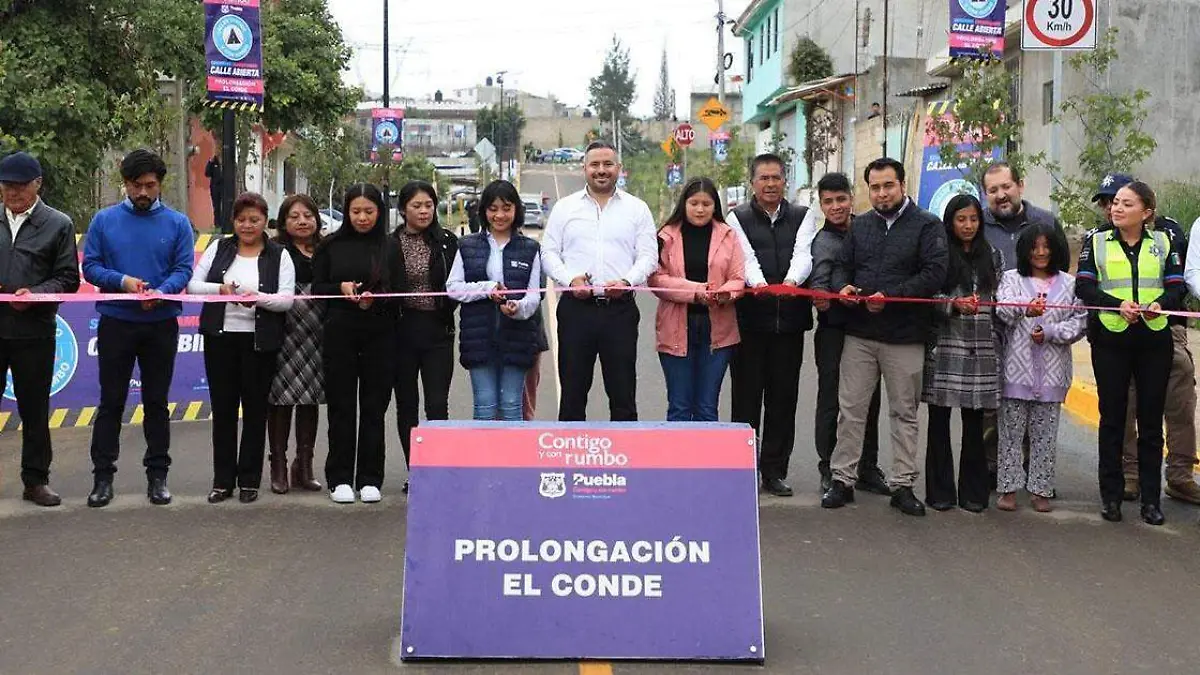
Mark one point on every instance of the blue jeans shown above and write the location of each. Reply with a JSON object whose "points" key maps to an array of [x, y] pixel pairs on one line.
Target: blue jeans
{"points": [[694, 381], [498, 387]]}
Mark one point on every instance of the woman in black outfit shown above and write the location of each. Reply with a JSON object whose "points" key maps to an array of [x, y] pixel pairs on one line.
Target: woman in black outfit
{"points": [[425, 339], [356, 262]]}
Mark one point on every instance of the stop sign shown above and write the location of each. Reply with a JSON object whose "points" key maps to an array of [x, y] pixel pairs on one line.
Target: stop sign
{"points": [[684, 134]]}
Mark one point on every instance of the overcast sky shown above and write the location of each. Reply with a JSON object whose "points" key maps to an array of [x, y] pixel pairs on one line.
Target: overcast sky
{"points": [[547, 46]]}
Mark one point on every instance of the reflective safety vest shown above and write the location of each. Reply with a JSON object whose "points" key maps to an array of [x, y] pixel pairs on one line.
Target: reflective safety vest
{"points": [[1116, 274]]}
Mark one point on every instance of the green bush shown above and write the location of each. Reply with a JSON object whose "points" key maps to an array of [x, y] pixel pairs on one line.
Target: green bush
{"points": [[1180, 201]]}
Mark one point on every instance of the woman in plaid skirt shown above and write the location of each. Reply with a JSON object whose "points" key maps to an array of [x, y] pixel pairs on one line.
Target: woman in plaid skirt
{"points": [[961, 364], [299, 383]]}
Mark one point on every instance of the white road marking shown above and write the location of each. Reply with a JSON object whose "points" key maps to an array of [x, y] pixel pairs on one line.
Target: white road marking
{"points": [[552, 315]]}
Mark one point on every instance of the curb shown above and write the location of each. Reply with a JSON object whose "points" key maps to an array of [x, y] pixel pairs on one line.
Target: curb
{"points": [[1083, 403]]}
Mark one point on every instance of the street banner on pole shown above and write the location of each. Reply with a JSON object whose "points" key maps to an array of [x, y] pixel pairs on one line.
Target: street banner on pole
{"points": [[674, 175], [940, 182], [720, 145], [233, 54], [569, 541], [387, 129], [976, 24]]}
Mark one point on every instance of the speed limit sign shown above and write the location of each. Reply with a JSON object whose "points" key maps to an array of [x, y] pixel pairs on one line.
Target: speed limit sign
{"points": [[1059, 25]]}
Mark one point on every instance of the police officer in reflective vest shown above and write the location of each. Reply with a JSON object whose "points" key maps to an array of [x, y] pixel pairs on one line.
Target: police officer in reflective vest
{"points": [[1137, 272]]}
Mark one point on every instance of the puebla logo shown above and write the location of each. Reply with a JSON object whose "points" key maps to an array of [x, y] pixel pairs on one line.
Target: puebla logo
{"points": [[980, 9], [232, 37], [66, 359]]}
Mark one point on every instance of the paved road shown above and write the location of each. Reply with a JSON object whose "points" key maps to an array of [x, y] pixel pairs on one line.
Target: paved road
{"points": [[297, 584]]}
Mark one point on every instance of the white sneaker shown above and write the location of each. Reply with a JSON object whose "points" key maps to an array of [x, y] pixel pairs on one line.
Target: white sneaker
{"points": [[342, 494], [369, 494]]}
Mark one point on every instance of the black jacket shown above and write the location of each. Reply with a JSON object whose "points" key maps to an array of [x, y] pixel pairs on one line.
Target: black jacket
{"points": [[907, 260], [44, 259], [268, 325], [773, 245]]}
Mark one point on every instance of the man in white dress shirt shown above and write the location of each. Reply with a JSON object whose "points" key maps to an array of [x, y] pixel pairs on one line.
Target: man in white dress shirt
{"points": [[599, 241]]}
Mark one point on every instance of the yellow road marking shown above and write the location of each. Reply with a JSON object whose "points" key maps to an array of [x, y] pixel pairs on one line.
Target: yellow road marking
{"points": [[138, 415], [595, 668], [4, 415], [193, 411], [57, 418], [85, 416]]}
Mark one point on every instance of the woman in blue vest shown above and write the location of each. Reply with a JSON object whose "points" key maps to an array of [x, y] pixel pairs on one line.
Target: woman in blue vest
{"points": [[498, 342], [1137, 272], [241, 342]]}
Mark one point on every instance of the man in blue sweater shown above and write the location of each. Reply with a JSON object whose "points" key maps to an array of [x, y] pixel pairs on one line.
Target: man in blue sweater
{"points": [[144, 248]]}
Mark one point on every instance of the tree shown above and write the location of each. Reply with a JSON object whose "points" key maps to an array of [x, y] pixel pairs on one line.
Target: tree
{"points": [[1112, 137], [809, 62], [503, 126], [88, 72], [612, 91], [664, 105], [333, 159], [824, 136], [983, 120]]}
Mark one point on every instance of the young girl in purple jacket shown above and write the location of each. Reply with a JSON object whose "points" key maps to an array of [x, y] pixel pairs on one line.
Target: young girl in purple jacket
{"points": [[1036, 362]]}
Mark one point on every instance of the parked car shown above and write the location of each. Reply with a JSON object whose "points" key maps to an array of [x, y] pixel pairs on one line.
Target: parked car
{"points": [[331, 220], [535, 216]]}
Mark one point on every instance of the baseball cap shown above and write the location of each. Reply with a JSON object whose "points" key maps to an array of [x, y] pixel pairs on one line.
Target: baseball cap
{"points": [[1110, 184], [19, 167]]}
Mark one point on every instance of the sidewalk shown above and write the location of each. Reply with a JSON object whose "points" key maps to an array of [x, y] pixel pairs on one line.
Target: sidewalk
{"points": [[1081, 401]]}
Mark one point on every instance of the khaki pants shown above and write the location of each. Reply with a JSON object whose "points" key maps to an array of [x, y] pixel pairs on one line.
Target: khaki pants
{"points": [[1180, 416], [863, 361]]}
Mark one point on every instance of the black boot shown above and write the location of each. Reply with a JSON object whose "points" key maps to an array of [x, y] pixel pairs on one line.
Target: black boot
{"points": [[907, 503], [838, 495], [279, 426], [306, 441]]}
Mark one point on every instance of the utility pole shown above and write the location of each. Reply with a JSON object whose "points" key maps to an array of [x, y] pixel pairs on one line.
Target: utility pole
{"points": [[721, 51], [500, 131], [387, 100], [1056, 128], [886, 58]]}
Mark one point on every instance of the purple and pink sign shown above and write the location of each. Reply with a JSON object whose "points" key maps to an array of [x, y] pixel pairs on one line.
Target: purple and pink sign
{"points": [[582, 541], [233, 53], [975, 25]]}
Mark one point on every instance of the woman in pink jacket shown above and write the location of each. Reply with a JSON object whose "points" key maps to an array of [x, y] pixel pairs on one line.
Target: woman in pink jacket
{"points": [[700, 274]]}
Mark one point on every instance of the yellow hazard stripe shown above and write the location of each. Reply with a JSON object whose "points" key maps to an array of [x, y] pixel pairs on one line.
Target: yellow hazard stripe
{"points": [[66, 418]]}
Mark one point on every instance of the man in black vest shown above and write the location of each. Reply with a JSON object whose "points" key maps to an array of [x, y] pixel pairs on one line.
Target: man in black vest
{"points": [[765, 369]]}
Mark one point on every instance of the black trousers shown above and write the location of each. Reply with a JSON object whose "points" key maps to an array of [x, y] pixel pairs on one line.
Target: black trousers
{"points": [[765, 379], [827, 349], [238, 376], [586, 330], [119, 344], [939, 459], [359, 357], [32, 364], [1148, 363], [424, 351]]}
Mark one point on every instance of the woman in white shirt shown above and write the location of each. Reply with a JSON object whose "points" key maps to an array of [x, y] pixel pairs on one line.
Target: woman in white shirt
{"points": [[242, 341], [497, 341]]}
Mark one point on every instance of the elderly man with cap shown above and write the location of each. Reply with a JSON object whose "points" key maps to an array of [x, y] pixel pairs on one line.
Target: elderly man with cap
{"points": [[37, 255], [1180, 411]]}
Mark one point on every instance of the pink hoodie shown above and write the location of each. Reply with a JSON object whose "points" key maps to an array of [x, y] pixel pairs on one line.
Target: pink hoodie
{"points": [[726, 272]]}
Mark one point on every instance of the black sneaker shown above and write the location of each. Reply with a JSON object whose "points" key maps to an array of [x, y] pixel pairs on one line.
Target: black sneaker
{"points": [[907, 503], [777, 487], [837, 496], [872, 481]]}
